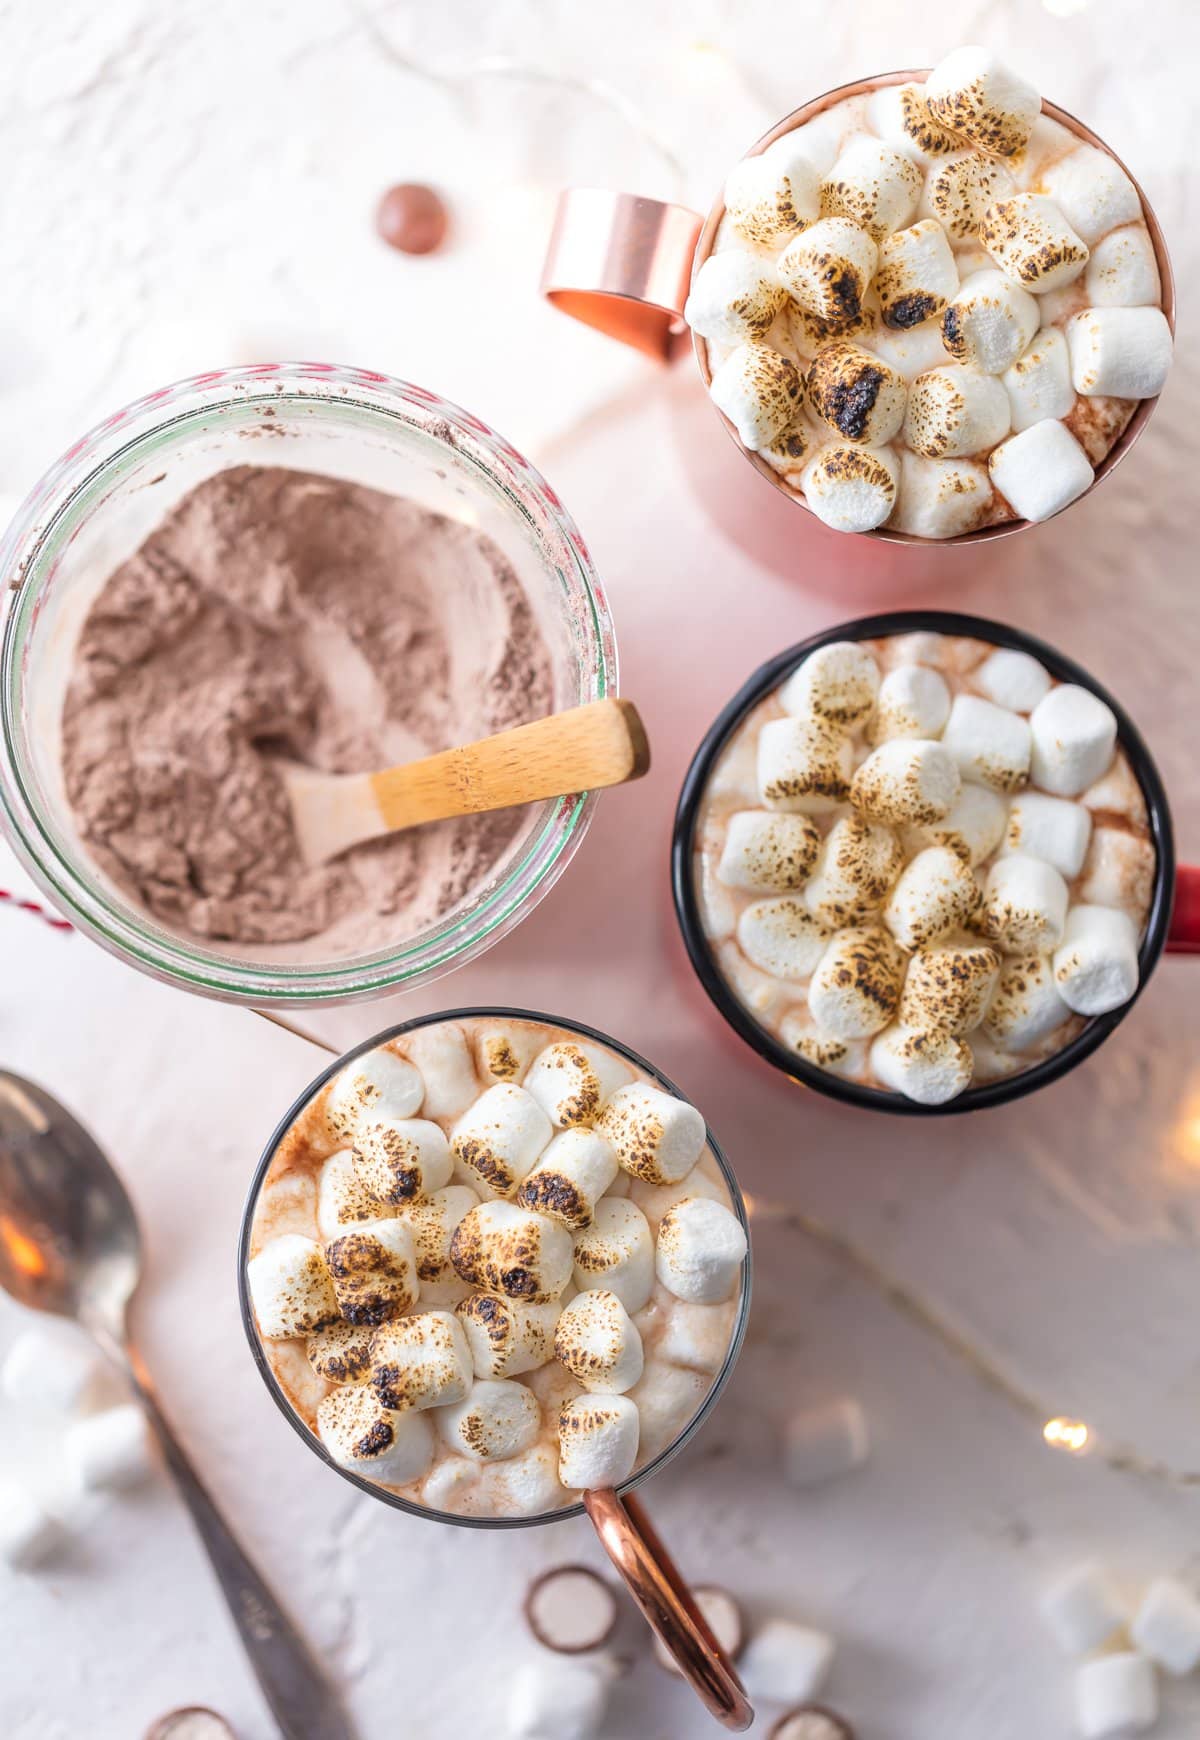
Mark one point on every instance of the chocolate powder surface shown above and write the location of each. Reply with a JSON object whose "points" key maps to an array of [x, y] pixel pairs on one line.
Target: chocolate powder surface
{"points": [[279, 613]]}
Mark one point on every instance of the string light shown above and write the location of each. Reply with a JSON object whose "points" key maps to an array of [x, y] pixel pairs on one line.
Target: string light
{"points": [[1070, 1435]]}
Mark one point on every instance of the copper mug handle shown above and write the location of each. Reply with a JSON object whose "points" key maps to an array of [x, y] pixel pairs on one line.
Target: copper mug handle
{"points": [[653, 1579]]}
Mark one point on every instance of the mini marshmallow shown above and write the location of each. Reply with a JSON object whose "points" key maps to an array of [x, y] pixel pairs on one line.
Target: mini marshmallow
{"points": [[1013, 679], [505, 1336], [1123, 272], [1096, 966], [856, 986], [341, 1353], [781, 937], [1124, 353], [290, 1288], [734, 298], [700, 1250], [935, 893], [949, 988], [991, 745], [790, 452], [906, 780], [1082, 1609], [825, 1442], [399, 1160], [343, 1198], [820, 139], [771, 196], [617, 1252], [973, 829], [655, 1199], [957, 193], [973, 93], [110, 1452], [431, 1223], [1024, 905], [524, 1485], [954, 411], [768, 854], [917, 275], [1167, 1626], [759, 391], [1117, 790], [872, 185], [909, 352], [785, 1663], [598, 1342], [695, 1336], [1074, 735], [442, 1054], [928, 1066], [570, 1178], [1050, 828], [1119, 870], [497, 1419], [597, 1441], [838, 682], [990, 323], [838, 1056], [362, 1435], [1115, 1694], [571, 1080], [1032, 243], [377, 1085], [452, 1485], [762, 995], [940, 498], [49, 1371], [1041, 471], [656, 1136], [856, 394], [504, 1053], [668, 1399], [505, 1249], [373, 1268], [829, 269], [1092, 191], [851, 489], [559, 1698], [1026, 1006], [913, 702], [421, 1362], [1038, 384], [28, 1534], [497, 1140], [900, 115], [859, 862]]}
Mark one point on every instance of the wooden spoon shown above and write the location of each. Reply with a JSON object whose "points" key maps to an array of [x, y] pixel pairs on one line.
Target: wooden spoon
{"points": [[603, 743]]}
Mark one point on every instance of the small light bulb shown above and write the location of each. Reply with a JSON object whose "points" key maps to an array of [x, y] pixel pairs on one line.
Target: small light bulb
{"points": [[1070, 1435]]}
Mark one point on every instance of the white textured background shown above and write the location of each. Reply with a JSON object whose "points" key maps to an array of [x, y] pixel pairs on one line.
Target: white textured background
{"points": [[192, 184]]}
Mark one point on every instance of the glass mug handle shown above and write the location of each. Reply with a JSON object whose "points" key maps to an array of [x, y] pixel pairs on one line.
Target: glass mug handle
{"points": [[1183, 937], [623, 264], [652, 1578]]}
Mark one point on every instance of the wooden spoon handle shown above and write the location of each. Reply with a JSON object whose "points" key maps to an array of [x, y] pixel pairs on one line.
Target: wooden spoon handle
{"points": [[602, 743]]}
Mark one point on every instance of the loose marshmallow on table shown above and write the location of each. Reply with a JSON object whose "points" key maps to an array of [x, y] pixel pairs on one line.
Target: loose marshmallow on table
{"points": [[851, 489], [559, 1698], [373, 1269], [872, 185], [1166, 1626], [341, 1353], [856, 986], [1074, 736], [972, 92], [498, 1418], [1041, 471], [28, 1533], [617, 1253], [772, 195], [1092, 191], [782, 937], [723, 1617], [838, 682], [859, 862], [432, 1222], [1024, 905], [906, 780], [505, 1249], [1123, 272], [49, 1370], [571, 1080], [343, 1197], [1038, 384], [935, 893], [954, 411], [1026, 1006], [291, 1288], [900, 115], [1115, 1694], [990, 323], [657, 1137], [1082, 1609], [824, 1442], [497, 1140], [1013, 679], [856, 393], [991, 744], [1096, 966], [913, 702], [940, 498], [949, 988], [1051, 828], [421, 1362], [760, 392], [110, 1451], [960, 189], [973, 829], [734, 297], [929, 1066], [598, 1342], [828, 270], [505, 1336], [397, 1160], [570, 1178], [362, 1435], [597, 1441], [1122, 353], [768, 854], [377, 1085], [700, 1250], [785, 1663]]}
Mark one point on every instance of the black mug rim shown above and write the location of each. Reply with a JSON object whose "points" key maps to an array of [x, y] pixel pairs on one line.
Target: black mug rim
{"points": [[275, 1388], [768, 676]]}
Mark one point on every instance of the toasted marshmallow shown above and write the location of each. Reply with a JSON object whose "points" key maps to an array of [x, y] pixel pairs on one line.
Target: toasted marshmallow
{"points": [[859, 862], [598, 1342], [1074, 736], [617, 1253], [442, 1054], [856, 394], [700, 1250], [972, 92], [1026, 1006], [837, 682], [917, 275], [1024, 905], [504, 1052], [695, 1336], [655, 1199], [906, 780], [990, 323], [524, 1485], [928, 1065], [828, 270], [914, 702], [28, 1533], [667, 1399], [960, 188], [498, 1418], [804, 765], [597, 1441], [559, 1698], [762, 995], [506, 1337], [571, 1080], [760, 392], [421, 1362], [842, 1057], [656, 1136], [781, 937], [1096, 966], [991, 744], [954, 411], [570, 1178], [1049, 828], [1123, 272], [1032, 243], [973, 829], [940, 498], [900, 115], [872, 185], [432, 1222], [343, 1198], [790, 452], [49, 1370], [909, 352], [1124, 353], [110, 1451], [373, 1267], [1115, 1695], [734, 298], [377, 1085], [949, 988], [506, 1249], [362, 1435], [855, 989], [290, 1288], [341, 1353], [771, 196], [397, 1161], [851, 489], [936, 893], [497, 1140], [1119, 870], [1040, 471], [1092, 191], [1038, 384], [768, 854]]}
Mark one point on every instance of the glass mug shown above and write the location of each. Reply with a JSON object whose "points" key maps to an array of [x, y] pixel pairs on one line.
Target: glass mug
{"points": [[625, 1531], [1172, 922], [625, 264], [107, 493]]}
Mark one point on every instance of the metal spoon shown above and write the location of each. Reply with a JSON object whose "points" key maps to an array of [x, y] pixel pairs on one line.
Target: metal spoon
{"points": [[69, 1244]]}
